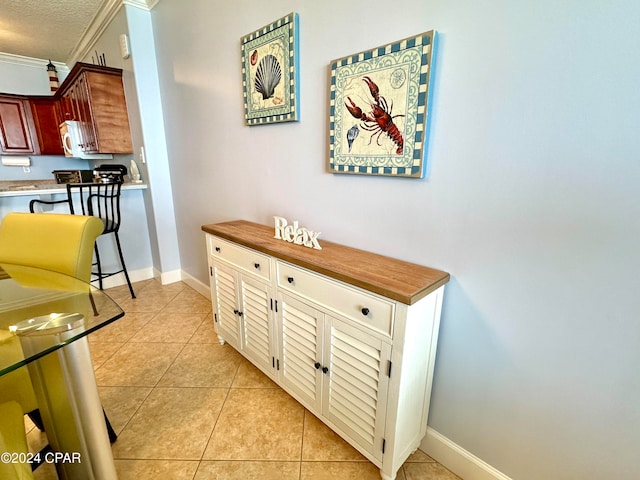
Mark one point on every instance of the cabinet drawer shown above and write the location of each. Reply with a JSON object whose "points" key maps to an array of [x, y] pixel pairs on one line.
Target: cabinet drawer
{"points": [[368, 309], [244, 258]]}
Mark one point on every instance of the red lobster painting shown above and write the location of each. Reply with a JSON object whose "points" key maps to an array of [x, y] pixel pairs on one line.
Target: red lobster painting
{"points": [[380, 120]]}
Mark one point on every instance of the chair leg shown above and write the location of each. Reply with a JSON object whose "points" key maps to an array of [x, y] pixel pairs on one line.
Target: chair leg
{"points": [[36, 418], [124, 268], [93, 304], [112, 433], [95, 248]]}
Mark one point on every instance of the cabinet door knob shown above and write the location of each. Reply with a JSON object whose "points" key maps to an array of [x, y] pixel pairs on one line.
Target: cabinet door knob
{"points": [[365, 311], [317, 365], [257, 265], [236, 312], [218, 249], [325, 369], [290, 279]]}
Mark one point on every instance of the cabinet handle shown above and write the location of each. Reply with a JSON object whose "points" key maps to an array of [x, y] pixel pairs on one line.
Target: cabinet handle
{"points": [[240, 314], [257, 265], [236, 312], [218, 249], [365, 311], [290, 279], [317, 365], [325, 369]]}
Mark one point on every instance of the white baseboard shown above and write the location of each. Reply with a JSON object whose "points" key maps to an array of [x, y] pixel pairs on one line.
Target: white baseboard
{"points": [[164, 278], [457, 459], [197, 285], [134, 276], [168, 277]]}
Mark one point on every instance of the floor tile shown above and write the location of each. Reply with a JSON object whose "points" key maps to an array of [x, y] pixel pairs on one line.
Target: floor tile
{"points": [[151, 298], [46, 471], [427, 471], [189, 301], [172, 423], [419, 457], [224, 470], [101, 352], [339, 470], [249, 376], [170, 328], [122, 329], [257, 424], [156, 469], [203, 365], [138, 364], [206, 332], [121, 403], [321, 443]]}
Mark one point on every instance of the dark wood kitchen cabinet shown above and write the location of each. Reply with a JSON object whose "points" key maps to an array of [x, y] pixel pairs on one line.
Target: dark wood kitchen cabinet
{"points": [[93, 96], [17, 129], [47, 117]]}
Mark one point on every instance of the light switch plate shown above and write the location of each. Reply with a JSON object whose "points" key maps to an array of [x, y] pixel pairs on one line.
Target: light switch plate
{"points": [[124, 46]]}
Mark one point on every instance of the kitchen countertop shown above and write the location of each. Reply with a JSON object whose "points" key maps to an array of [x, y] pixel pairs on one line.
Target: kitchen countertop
{"points": [[14, 188]]}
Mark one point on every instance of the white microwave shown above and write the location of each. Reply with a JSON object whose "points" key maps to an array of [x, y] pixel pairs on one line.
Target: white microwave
{"points": [[72, 139]]}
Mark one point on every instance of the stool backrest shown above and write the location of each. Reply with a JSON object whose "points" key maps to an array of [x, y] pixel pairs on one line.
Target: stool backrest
{"points": [[100, 200]]}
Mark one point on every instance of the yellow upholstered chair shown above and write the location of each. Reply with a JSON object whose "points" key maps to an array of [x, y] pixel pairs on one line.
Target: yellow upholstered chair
{"points": [[13, 440], [57, 242], [61, 243]]}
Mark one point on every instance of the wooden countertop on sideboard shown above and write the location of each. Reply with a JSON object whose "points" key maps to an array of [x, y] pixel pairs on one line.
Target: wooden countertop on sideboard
{"points": [[396, 279]]}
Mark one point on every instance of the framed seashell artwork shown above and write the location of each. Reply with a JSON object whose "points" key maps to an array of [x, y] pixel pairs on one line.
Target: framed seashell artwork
{"points": [[379, 109], [270, 73]]}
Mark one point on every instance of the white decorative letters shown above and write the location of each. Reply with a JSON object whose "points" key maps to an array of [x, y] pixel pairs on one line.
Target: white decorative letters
{"points": [[294, 234]]}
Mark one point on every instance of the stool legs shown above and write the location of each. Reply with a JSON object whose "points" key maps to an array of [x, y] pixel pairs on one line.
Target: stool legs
{"points": [[98, 265], [124, 268]]}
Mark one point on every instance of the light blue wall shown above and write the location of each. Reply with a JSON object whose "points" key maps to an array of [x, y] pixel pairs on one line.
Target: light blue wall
{"points": [[531, 203], [147, 128]]}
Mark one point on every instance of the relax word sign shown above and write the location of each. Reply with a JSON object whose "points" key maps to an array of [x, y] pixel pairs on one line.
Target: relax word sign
{"points": [[295, 234]]}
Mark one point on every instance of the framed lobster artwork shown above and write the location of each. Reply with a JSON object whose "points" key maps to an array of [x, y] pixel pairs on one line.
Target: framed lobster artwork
{"points": [[270, 72], [379, 109]]}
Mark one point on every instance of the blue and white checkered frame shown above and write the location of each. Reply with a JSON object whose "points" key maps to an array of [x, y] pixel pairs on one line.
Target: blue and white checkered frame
{"points": [[279, 39], [401, 71]]}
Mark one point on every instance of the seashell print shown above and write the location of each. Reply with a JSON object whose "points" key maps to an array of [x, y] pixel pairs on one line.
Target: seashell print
{"points": [[352, 133], [268, 75], [254, 57]]}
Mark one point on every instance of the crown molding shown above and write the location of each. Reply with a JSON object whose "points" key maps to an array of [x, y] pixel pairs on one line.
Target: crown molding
{"points": [[30, 61], [100, 22], [143, 4]]}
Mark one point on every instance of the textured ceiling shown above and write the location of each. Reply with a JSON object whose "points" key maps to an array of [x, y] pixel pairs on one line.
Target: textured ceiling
{"points": [[47, 29]]}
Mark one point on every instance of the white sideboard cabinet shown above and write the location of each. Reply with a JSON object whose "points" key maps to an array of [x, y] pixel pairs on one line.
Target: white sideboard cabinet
{"points": [[349, 334]]}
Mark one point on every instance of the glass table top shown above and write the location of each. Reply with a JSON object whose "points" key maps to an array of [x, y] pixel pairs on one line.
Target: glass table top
{"points": [[42, 311]]}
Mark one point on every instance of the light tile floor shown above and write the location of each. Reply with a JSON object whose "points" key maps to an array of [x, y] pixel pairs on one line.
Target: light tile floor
{"points": [[186, 407]]}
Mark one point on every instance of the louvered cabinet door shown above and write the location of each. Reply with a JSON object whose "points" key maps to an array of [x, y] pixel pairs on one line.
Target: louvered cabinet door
{"points": [[255, 313], [300, 346], [225, 303], [356, 383]]}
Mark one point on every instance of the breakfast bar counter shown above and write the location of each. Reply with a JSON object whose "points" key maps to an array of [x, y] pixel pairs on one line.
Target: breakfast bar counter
{"points": [[15, 188]]}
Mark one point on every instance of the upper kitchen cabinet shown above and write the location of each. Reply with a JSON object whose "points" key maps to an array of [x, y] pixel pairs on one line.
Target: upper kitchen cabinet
{"points": [[47, 117], [93, 96], [17, 129]]}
